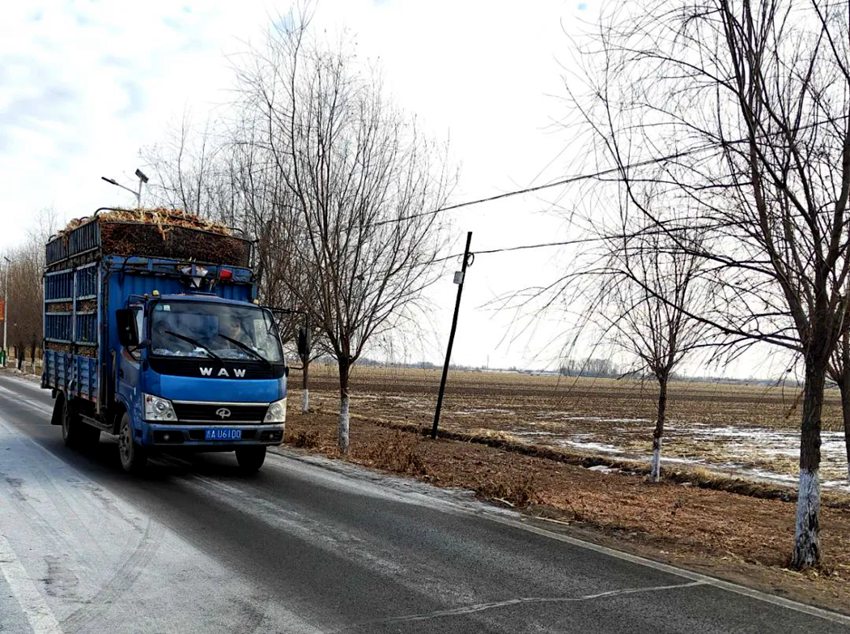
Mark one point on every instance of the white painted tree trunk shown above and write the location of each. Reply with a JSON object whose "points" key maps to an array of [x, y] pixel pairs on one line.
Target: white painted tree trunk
{"points": [[806, 529], [305, 401], [343, 424], [655, 470]]}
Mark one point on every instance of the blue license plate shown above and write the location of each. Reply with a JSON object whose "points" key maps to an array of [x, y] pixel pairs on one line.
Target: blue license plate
{"points": [[223, 434]]}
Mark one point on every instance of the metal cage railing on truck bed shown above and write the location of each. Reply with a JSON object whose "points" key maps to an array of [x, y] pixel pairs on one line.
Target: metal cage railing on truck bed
{"points": [[81, 240], [70, 305]]}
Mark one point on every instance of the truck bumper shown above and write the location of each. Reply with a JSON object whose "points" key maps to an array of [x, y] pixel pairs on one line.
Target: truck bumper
{"points": [[170, 435]]}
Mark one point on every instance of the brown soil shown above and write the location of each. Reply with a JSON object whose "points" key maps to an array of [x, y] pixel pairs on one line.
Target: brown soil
{"points": [[741, 538]]}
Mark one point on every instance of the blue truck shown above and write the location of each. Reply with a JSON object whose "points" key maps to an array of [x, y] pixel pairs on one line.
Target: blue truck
{"points": [[152, 333]]}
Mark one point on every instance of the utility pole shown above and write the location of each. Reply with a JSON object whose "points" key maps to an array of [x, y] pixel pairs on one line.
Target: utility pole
{"points": [[304, 345], [459, 279], [5, 309]]}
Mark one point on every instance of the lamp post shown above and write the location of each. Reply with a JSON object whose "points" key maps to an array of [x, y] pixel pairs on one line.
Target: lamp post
{"points": [[5, 309], [138, 194]]}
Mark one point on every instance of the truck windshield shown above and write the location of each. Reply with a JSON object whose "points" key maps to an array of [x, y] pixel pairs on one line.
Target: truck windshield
{"points": [[213, 330]]}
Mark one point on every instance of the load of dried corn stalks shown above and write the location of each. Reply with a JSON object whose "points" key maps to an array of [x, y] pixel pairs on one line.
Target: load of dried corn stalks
{"points": [[160, 217], [169, 233]]}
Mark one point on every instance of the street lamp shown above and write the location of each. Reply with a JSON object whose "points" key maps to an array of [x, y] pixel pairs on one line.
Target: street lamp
{"points": [[138, 194], [5, 308]]}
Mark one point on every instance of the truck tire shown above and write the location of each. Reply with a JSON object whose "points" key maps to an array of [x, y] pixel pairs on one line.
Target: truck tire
{"points": [[250, 459], [75, 432], [133, 457]]}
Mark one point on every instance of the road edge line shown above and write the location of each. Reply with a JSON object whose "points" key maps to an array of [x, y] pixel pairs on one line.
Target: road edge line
{"points": [[32, 602]]}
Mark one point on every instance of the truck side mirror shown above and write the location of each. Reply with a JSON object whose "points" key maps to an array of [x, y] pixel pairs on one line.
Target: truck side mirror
{"points": [[127, 333], [303, 342]]}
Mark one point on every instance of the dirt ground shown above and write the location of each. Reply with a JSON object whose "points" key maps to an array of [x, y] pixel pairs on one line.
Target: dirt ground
{"points": [[744, 538]]}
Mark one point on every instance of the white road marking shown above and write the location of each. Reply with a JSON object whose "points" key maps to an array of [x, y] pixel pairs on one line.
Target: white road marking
{"points": [[32, 602], [493, 605]]}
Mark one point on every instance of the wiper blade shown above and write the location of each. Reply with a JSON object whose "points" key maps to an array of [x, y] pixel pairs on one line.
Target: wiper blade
{"points": [[246, 348], [194, 343]]}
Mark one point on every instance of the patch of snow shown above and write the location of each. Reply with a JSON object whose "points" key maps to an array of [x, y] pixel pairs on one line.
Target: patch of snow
{"points": [[591, 445], [836, 485], [569, 416], [601, 468]]}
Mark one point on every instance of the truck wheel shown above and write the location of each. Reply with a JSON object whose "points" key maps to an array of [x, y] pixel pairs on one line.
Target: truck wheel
{"points": [[250, 459], [75, 432], [133, 457]]}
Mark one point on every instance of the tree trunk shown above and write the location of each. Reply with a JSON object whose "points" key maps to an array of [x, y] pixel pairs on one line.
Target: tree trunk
{"points": [[844, 388], [843, 382], [305, 392], [806, 541], [655, 471], [342, 430]]}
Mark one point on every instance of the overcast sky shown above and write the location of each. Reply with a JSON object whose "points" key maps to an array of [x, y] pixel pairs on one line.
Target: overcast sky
{"points": [[85, 85]]}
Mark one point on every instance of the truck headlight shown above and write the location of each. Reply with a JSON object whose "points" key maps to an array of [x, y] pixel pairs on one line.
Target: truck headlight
{"points": [[276, 412], [157, 408]]}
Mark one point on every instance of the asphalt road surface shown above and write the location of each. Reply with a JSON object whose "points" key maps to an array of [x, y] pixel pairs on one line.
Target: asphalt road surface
{"points": [[310, 545]]}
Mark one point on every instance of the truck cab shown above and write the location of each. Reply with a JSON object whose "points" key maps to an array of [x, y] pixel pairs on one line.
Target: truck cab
{"points": [[200, 373]]}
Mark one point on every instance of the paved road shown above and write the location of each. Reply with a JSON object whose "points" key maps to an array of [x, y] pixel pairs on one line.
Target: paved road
{"points": [[309, 545]]}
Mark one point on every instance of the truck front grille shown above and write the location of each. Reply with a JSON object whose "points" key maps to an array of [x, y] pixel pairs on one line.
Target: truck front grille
{"points": [[218, 413]]}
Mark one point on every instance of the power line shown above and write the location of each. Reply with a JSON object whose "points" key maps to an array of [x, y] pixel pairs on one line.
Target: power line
{"points": [[561, 243], [564, 181], [720, 143], [523, 247]]}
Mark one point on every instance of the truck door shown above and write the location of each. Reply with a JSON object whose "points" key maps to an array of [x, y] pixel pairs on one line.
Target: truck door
{"points": [[128, 362]]}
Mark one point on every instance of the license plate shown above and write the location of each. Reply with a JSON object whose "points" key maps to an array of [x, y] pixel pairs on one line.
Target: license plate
{"points": [[223, 434]]}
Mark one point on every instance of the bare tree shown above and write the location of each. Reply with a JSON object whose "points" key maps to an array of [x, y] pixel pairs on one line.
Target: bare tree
{"points": [[25, 299], [226, 172], [744, 105], [653, 286], [25, 293], [191, 171], [361, 241]]}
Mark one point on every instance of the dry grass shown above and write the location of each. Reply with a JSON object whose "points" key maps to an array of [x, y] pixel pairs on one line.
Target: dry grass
{"points": [[305, 439], [518, 491], [398, 454]]}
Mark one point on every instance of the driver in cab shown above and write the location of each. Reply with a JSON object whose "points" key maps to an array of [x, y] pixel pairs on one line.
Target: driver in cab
{"points": [[232, 328]]}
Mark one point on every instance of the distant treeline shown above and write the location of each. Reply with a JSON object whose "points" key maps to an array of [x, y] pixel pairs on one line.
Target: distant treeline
{"points": [[591, 366]]}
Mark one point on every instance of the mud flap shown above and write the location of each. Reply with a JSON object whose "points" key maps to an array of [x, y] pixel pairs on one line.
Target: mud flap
{"points": [[56, 418]]}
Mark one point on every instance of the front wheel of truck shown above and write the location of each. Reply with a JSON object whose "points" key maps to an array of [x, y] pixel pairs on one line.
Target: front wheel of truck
{"points": [[250, 459], [133, 457], [75, 433]]}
